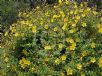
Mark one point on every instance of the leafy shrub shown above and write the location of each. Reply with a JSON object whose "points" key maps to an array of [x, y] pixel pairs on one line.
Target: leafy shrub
{"points": [[59, 40], [9, 10], [97, 3], [7, 13], [92, 3]]}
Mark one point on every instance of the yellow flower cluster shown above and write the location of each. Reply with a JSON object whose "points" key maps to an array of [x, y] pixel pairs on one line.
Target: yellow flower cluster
{"points": [[69, 71], [100, 62], [84, 24], [34, 29], [69, 40], [79, 66], [25, 52], [24, 63], [60, 1], [60, 45], [93, 45], [57, 61], [63, 57], [47, 47], [93, 60]]}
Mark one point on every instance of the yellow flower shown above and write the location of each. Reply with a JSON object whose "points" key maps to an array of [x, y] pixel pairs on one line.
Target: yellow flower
{"points": [[0, 46], [69, 71], [6, 33], [84, 53], [77, 39], [46, 27], [13, 30], [101, 18], [100, 30], [62, 74], [57, 61], [67, 2], [94, 12], [75, 6], [1, 33], [34, 29], [81, 10], [82, 74], [19, 14], [73, 44], [16, 34], [37, 7], [47, 47], [63, 57], [22, 34], [41, 22], [76, 21], [55, 6], [84, 24], [22, 22], [59, 1], [11, 27], [60, 46], [55, 29], [69, 40], [73, 24], [62, 13], [79, 66], [30, 25], [100, 62], [33, 69], [71, 12], [46, 59], [93, 45], [64, 27], [92, 60], [81, 58], [72, 47], [24, 63], [52, 20], [54, 16], [25, 52], [72, 31], [88, 9], [65, 19], [98, 25], [75, 12], [81, 4], [83, 15], [77, 17], [6, 59], [14, 67]]}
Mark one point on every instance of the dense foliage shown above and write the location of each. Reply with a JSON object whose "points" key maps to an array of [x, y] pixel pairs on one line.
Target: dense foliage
{"points": [[9, 8], [7, 15], [8, 12], [59, 40]]}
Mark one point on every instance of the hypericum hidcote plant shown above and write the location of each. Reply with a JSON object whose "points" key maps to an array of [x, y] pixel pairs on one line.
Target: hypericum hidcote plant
{"points": [[59, 40]]}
